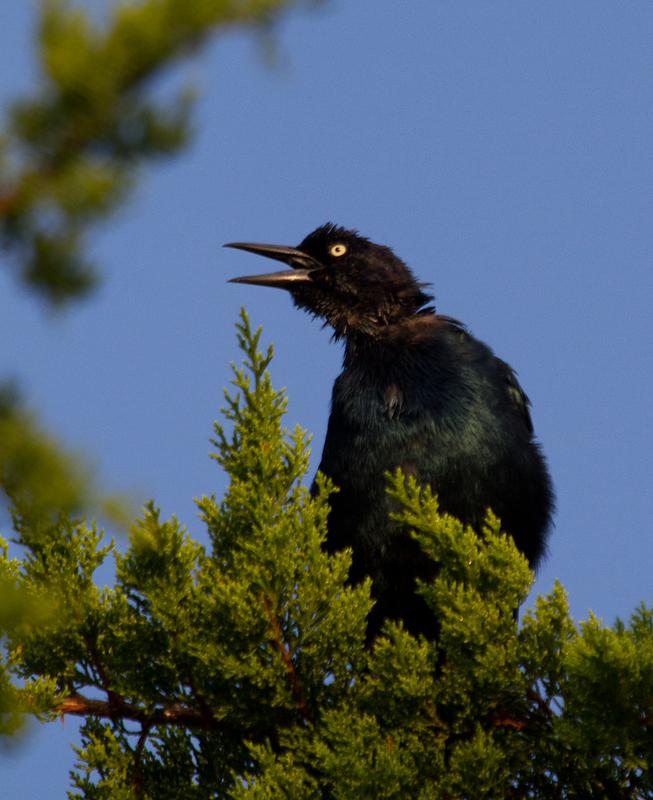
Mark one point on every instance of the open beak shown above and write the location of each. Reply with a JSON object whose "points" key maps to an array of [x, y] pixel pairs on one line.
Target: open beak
{"points": [[301, 263]]}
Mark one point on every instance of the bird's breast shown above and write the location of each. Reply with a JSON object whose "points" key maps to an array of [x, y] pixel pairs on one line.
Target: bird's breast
{"points": [[425, 413]]}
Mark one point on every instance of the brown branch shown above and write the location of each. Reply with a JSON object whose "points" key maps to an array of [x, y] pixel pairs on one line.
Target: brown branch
{"points": [[114, 699], [299, 698], [531, 694], [136, 769], [95, 658], [176, 714], [201, 702], [506, 719]]}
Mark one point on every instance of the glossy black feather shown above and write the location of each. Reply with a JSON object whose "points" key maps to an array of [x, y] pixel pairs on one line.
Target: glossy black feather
{"points": [[418, 392]]}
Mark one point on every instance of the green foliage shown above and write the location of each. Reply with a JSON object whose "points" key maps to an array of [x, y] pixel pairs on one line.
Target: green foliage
{"points": [[39, 476], [70, 154], [34, 471], [241, 670]]}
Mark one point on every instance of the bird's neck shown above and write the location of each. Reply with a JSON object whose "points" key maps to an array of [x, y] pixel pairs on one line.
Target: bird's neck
{"points": [[420, 335], [370, 344]]}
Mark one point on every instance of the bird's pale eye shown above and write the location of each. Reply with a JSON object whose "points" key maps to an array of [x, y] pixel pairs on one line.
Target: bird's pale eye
{"points": [[338, 250]]}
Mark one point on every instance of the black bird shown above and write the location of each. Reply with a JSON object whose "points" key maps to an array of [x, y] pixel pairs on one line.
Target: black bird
{"points": [[419, 392]]}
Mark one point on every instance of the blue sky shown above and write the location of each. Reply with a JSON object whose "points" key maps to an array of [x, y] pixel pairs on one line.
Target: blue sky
{"points": [[502, 149]]}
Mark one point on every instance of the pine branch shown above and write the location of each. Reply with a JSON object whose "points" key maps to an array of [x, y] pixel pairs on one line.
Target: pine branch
{"points": [[176, 715]]}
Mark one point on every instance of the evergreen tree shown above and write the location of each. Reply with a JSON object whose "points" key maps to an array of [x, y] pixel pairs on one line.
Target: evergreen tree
{"points": [[242, 670]]}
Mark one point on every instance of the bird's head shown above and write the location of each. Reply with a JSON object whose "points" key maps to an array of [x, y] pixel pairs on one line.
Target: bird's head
{"points": [[350, 282]]}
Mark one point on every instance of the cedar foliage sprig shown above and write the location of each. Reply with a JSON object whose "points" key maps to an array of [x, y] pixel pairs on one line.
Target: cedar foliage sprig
{"points": [[71, 153]]}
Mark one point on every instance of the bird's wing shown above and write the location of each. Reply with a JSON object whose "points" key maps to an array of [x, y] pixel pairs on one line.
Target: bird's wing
{"points": [[516, 395]]}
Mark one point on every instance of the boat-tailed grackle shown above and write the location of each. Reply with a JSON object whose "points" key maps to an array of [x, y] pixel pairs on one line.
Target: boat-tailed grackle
{"points": [[419, 392]]}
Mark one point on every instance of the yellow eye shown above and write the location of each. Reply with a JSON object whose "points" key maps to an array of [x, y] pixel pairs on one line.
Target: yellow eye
{"points": [[338, 250]]}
